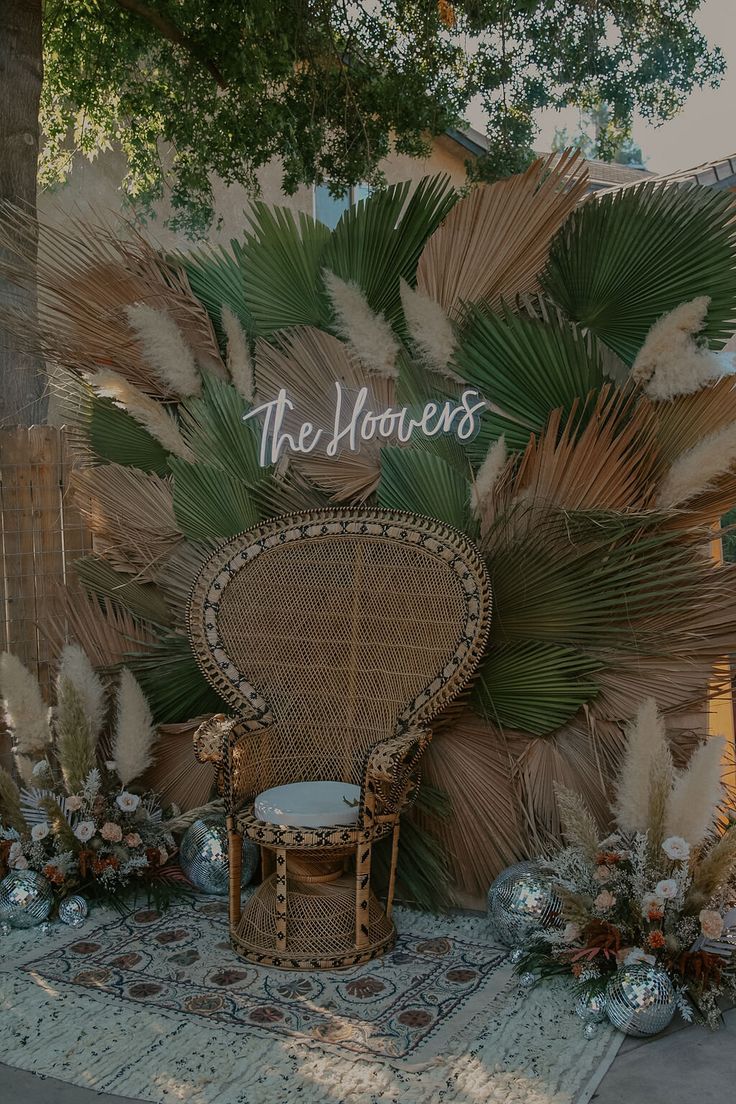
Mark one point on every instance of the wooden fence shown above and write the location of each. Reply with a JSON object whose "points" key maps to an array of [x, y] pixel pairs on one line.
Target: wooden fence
{"points": [[41, 534]]}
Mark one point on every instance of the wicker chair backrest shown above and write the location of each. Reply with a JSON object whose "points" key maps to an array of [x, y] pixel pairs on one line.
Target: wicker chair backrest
{"points": [[336, 629]]}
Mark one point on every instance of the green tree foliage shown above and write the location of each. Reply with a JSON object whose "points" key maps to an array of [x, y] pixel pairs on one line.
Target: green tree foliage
{"points": [[329, 88]]}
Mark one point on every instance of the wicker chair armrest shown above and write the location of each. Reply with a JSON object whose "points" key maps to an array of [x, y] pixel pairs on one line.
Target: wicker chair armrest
{"points": [[392, 773], [235, 747], [212, 738]]}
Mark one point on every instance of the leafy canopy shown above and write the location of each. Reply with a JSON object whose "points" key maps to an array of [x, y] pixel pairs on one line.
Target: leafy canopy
{"points": [[329, 88]]}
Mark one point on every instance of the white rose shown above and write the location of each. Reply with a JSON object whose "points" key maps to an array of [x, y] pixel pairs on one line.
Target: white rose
{"points": [[85, 830], [128, 802], [39, 831], [651, 902], [74, 803], [676, 848], [571, 932], [667, 889]]}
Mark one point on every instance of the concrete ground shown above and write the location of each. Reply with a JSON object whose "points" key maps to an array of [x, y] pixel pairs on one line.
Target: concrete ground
{"points": [[684, 1065]]}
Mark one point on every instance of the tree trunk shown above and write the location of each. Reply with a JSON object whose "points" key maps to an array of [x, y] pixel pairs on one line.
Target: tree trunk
{"points": [[22, 379]]}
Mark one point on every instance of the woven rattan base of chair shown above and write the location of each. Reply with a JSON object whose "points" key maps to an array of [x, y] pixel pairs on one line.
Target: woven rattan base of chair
{"points": [[320, 927]]}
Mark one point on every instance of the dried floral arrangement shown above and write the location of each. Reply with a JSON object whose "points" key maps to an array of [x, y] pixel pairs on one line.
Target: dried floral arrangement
{"points": [[660, 888], [80, 815], [607, 452]]}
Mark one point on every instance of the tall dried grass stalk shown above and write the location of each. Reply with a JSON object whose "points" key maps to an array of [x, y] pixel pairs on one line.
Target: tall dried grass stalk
{"points": [[10, 812], [670, 362], [165, 349], [578, 826], [59, 823], [146, 411], [693, 806], [135, 734], [368, 335], [26, 713], [75, 667], [661, 778], [713, 871], [645, 738], [695, 471], [239, 361], [430, 330], [75, 744], [488, 473]]}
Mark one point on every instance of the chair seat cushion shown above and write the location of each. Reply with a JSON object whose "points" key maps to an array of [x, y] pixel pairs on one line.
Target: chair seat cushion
{"points": [[309, 804]]}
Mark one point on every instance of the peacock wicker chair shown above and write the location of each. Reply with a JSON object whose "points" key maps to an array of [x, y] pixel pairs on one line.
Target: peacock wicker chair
{"points": [[336, 635]]}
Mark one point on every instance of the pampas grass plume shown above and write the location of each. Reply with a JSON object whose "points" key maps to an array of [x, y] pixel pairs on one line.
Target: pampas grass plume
{"points": [[645, 740], [578, 826], [430, 329], [134, 731], [368, 335], [26, 713], [488, 473], [692, 810], [145, 410], [165, 349], [75, 667], [239, 363], [75, 745], [695, 470], [713, 871], [670, 362]]}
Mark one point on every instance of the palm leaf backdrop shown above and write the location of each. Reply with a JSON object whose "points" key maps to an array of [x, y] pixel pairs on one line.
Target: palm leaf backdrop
{"points": [[600, 598]]}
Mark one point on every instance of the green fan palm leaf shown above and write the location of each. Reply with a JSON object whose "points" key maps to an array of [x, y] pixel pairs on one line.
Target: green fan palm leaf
{"points": [[216, 277], [526, 368], [281, 260], [209, 502], [379, 240], [114, 436], [623, 260], [213, 427], [412, 479], [534, 686], [173, 684]]}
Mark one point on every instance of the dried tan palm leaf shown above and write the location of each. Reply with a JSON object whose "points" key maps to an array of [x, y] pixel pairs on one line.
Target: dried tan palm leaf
{"points": [[494, 242], [474, 765], [103, 629], [308, 363], [87, 274], [686, 420], [131, 515], [175, 575], [609, 465], [180, 778]]}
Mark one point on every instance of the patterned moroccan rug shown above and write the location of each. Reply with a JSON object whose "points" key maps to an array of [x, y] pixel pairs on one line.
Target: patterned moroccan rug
{"points": [[157, 1006]]}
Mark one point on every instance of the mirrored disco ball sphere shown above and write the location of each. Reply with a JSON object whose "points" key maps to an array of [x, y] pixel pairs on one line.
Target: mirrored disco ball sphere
{"points": [[203, 856], [73, 910], [640, 1000], [26, 898], [591, 1007], [521, 903]]}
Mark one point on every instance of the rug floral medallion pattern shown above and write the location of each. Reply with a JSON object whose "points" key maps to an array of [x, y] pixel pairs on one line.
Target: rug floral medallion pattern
{"points": [[395, 1007]]}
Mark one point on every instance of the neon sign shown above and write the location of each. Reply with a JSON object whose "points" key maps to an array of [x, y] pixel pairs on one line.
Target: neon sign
{"points": [[355, 423]]}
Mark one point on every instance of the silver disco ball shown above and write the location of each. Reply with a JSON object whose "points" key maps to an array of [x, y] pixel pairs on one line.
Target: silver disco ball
{"points": [[26, 898], [591, 1007], [640, 1000], [73, 911], [521, 903], [203, 856]]}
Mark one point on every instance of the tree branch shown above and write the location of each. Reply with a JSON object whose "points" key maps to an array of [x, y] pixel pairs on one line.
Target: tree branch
{"points": [[173, 34]]}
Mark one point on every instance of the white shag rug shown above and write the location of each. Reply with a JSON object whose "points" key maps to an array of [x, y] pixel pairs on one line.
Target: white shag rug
{"points": [[158, 1007]]}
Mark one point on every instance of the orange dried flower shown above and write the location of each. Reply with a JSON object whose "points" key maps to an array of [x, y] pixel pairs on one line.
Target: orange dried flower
{"points": [[446, 12], [656, 940], [53, 874]]}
